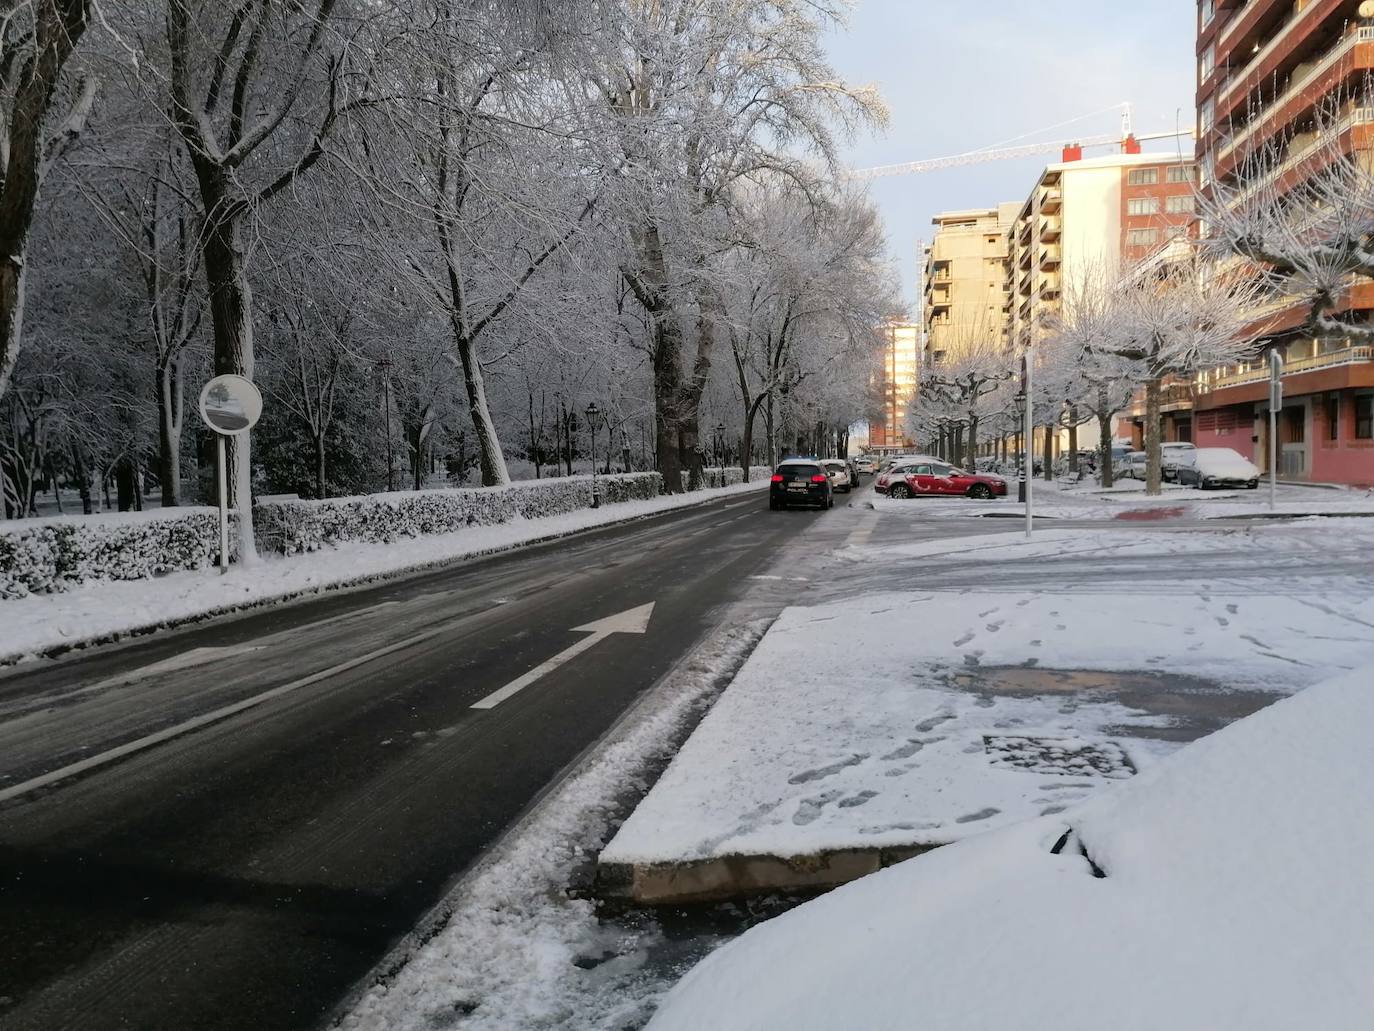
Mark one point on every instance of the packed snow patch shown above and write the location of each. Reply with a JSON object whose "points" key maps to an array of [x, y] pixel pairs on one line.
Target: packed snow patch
{"points": [[1232, 896]]}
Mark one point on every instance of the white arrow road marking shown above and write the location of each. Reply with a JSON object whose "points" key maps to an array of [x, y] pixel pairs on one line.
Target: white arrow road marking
{"points": [[631, 621]]}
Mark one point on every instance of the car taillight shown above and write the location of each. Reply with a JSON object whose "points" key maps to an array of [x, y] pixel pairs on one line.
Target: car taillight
{"points": [[818, 478], [777, 477]]}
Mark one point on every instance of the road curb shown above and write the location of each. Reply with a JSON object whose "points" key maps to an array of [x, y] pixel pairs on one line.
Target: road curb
{"points": [[10, 660]]}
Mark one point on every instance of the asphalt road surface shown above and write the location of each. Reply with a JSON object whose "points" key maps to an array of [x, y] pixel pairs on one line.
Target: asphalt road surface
{"points": [[228, 825]]}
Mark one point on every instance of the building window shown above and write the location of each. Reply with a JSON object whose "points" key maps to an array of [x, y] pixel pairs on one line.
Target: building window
{"points": [[1333, 416], [1142, 206], [1207, 115], [1208, 61], [1364, 416], [1181, 173], [1209, 8], [1142, 237], [1142, 176], [1180, 205]]}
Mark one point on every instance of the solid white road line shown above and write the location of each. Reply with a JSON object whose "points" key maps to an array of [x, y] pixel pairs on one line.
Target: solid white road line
{"points": [[214, 716], [631, 621]]}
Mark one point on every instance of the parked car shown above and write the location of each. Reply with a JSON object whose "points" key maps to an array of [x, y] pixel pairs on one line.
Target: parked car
{"points": [[853, 472], [897, 469], [866, 464], [800, 481], [1171, 454], [1133, 465], [937, 478], [838, 470], [1209, 467]]}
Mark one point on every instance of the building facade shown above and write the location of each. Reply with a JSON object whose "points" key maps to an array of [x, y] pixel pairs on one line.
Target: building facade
{"points": [[1265, 70], [964, 280], [1088, 217], [896, 386]]}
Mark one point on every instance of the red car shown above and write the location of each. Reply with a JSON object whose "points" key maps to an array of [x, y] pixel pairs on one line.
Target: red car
{"points": [[937, 478]]}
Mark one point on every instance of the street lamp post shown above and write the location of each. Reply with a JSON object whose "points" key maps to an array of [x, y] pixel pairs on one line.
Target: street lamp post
{"points": [[1020, 402], [592, 412], [720, 451]]}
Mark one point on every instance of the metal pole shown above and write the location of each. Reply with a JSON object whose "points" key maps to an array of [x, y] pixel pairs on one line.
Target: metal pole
{"points": [[1030, 440], [1275, 403], [223, 504], [386, 388], [596, 494]]}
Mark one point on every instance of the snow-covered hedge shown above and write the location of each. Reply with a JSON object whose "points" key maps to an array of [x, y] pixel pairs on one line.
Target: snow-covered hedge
{"points": [[39, 556], [295, 526], [733, 475]]}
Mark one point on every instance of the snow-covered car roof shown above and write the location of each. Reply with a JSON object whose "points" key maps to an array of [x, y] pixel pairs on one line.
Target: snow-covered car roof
{"points": [[1226, 889]]}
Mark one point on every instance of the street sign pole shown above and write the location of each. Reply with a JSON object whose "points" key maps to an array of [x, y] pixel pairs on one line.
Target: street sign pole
{"points": [[1275, 403], [223, 504], [1029, 427]]}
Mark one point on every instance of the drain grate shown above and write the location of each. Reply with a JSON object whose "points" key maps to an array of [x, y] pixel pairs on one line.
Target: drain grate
{"points": [[1065, 757]]}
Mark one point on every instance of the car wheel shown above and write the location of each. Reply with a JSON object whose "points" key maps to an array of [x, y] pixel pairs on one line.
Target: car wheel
{"points": [[829, 503], [981, 491], [773, 506], [900, 491]]}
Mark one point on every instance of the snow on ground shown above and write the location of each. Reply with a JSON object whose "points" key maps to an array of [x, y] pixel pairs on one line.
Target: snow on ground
{"points": [[1059, 500], [515, 951], [1233, 897], [923, 718], [97, 611]]}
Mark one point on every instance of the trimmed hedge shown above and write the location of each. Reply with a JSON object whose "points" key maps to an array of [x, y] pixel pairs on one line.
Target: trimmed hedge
{"points": [[290, 527], [733, 475], [42, 556]]}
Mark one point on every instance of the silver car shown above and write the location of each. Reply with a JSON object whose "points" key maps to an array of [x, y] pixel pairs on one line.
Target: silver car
{"points": [[838, 471]]}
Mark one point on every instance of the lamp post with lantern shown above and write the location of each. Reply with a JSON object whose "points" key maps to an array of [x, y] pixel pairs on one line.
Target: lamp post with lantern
{"points": [[592, 413]]}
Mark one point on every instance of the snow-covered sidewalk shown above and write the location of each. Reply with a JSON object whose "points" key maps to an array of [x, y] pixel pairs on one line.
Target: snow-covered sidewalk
{"points": [[917, 719], [100, 611], [1087, 501]]}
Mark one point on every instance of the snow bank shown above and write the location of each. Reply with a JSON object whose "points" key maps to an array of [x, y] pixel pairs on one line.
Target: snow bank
{"points": [[1234, 898]]}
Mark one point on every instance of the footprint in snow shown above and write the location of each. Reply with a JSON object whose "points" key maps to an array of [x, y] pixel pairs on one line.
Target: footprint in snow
{"points": [[985, 615], [992, 628], [854, 801], [806, 776], [981, 814], [971, 658], [1222, 621], [905, 751], [809, 809], [975, 747], [927, 725], [1051, 810], [1233, 609], [984, 701], [1036, 643], [964, 639]]}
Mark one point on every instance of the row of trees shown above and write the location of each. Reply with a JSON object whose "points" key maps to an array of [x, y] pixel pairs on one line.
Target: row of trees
{"points": [[431, 231]]}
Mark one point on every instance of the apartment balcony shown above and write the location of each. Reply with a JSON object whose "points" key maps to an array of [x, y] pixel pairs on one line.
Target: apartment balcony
{"points": [[1051, 201], [1358, 48], [1238, 82], [1025, 256], [1049, 288], [1051, 228], [1306, 148], [1210, 382], [939, 300], [1049, 257]]}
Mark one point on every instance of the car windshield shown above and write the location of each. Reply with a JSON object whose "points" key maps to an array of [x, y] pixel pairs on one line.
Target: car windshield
{"points": [[799, 470]]}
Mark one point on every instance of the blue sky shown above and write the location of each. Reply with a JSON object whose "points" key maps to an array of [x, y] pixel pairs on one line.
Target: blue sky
{"points": [[961, 76]]}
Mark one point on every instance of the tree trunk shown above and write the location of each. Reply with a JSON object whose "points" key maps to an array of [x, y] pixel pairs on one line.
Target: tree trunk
{"points": [[231, 315], [1073, 438], [318, 437], [667, 393], [59, 25], [493, 462], [1049, 452], [124, 483], [1153, 478], [972, 464], [1104, 443], [169, 412], [83, 479]]}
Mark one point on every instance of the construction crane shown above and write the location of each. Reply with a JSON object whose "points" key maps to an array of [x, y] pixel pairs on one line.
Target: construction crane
{"points": [[974, 157]]}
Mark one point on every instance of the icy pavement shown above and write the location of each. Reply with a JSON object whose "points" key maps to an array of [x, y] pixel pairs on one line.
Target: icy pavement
{"points": [[99, 611], [922, 718]]}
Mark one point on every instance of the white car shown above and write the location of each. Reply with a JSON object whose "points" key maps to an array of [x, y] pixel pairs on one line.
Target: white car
{"points": [[865, 464], [1208, 467], [1171, 455], [838, 470], [1133, 465]]}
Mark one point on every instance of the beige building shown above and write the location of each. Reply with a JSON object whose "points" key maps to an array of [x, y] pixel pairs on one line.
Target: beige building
{"points": [[1085, 215], [897, 385], [964, 278]]}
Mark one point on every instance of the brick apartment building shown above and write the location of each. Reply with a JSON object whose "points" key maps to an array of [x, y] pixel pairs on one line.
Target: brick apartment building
{"points": [[1263, 67], [896, 386]]}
